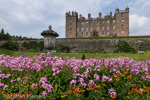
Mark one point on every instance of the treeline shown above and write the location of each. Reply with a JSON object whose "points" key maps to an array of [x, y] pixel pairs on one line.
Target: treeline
{"points": [[6, 36]]}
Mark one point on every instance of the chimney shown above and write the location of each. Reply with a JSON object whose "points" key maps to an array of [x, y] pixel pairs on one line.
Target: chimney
{"points": [[80, 16], [110, 14], [100, 15], [89, 16], [117, 10]]}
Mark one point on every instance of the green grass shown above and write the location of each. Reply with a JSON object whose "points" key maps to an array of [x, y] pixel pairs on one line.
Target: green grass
{"points": [[140, 57], [99, 56], [9, 52], [32, 54]]}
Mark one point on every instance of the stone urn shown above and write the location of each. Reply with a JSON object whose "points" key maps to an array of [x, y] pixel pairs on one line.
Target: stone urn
{"points": [[49, 40]]}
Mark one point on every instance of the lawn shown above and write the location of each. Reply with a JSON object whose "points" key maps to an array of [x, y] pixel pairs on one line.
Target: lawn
{"points": [[99, 56]]}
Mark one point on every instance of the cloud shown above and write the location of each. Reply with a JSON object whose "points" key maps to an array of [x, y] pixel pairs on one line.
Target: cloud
{"points": [[139, 25], [31, 17]]}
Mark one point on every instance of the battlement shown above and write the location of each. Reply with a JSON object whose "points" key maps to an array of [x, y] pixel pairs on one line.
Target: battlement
{"points": [[71, 14]]}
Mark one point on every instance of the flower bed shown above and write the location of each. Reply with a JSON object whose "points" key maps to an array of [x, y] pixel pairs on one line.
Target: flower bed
{"points": [[44, 77]]}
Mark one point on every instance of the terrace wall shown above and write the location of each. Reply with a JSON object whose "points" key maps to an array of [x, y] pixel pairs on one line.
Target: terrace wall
{"points": [[94, 45]]}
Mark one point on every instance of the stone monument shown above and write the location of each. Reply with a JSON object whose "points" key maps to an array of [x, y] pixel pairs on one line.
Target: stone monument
{"points": [[49, 39]]}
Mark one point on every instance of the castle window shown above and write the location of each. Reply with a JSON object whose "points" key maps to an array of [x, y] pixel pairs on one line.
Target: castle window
{"points": [[108, 27], [91, 27], [70, 28], [70, 34], [103, 21], [122, 15], [108, 33], [70, 23], [91, 33], [81, 23], [90, 22], [97, 27], [113, 21], [102, 27], [107, 21], [113, 26], [122, 32], [86, 28], [70, 18], [113, 33], [77, 29], [122, 20], [103, 33], [122, 26], [82, 33], [86, 33], [82, 29], [86, 22]]}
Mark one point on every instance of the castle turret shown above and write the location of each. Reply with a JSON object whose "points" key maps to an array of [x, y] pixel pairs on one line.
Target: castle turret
{"points": [[89, 16], [117, 10], [110, 14], [100, 15]]}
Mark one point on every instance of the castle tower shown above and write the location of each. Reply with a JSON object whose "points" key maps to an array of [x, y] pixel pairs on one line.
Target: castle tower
{"points": [[122, 22], [71, 24]]}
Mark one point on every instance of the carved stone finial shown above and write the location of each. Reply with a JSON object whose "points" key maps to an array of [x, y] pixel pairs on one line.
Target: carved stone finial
{"points": [[50, 27]]}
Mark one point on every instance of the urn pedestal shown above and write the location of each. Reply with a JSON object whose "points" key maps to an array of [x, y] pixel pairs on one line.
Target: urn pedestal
{"points": [[49, 40]]}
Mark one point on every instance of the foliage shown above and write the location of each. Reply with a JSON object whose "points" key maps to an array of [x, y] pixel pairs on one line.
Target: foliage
{"points": [[63, 48], [70, 79], [123, 46], [83, 57], [10, 45], [144, 47], [4, 36], [101, 50], [86, 51], [33, 45]]}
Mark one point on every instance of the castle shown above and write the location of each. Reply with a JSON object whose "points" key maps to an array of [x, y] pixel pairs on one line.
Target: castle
{"points": [[117, 25]]}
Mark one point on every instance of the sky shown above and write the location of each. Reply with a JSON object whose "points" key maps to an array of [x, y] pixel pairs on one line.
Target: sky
{"points": [[30, 17]]}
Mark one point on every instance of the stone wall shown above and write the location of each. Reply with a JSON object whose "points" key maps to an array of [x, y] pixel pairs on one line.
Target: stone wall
{"points": [[94, 45]]}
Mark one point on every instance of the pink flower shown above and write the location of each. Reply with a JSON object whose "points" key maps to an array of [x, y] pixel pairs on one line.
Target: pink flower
{"points": [[1, 84], [110, 80], [5, 87], [44, 93], [43, 80], [104, 78], [34, 85], [73, 82], [96, 77]]}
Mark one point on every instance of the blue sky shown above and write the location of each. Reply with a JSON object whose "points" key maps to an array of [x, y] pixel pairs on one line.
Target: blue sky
{"points": [[30, 17]]}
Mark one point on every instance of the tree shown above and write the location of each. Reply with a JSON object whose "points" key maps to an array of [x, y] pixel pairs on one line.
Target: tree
{"points": [[2, 31]]}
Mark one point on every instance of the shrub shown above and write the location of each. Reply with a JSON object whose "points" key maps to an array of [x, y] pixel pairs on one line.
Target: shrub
{"points": [[123, 46], [86, 51], [10, 45], [64, 49], [33, 45], [83, 57], [101, 50]]}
